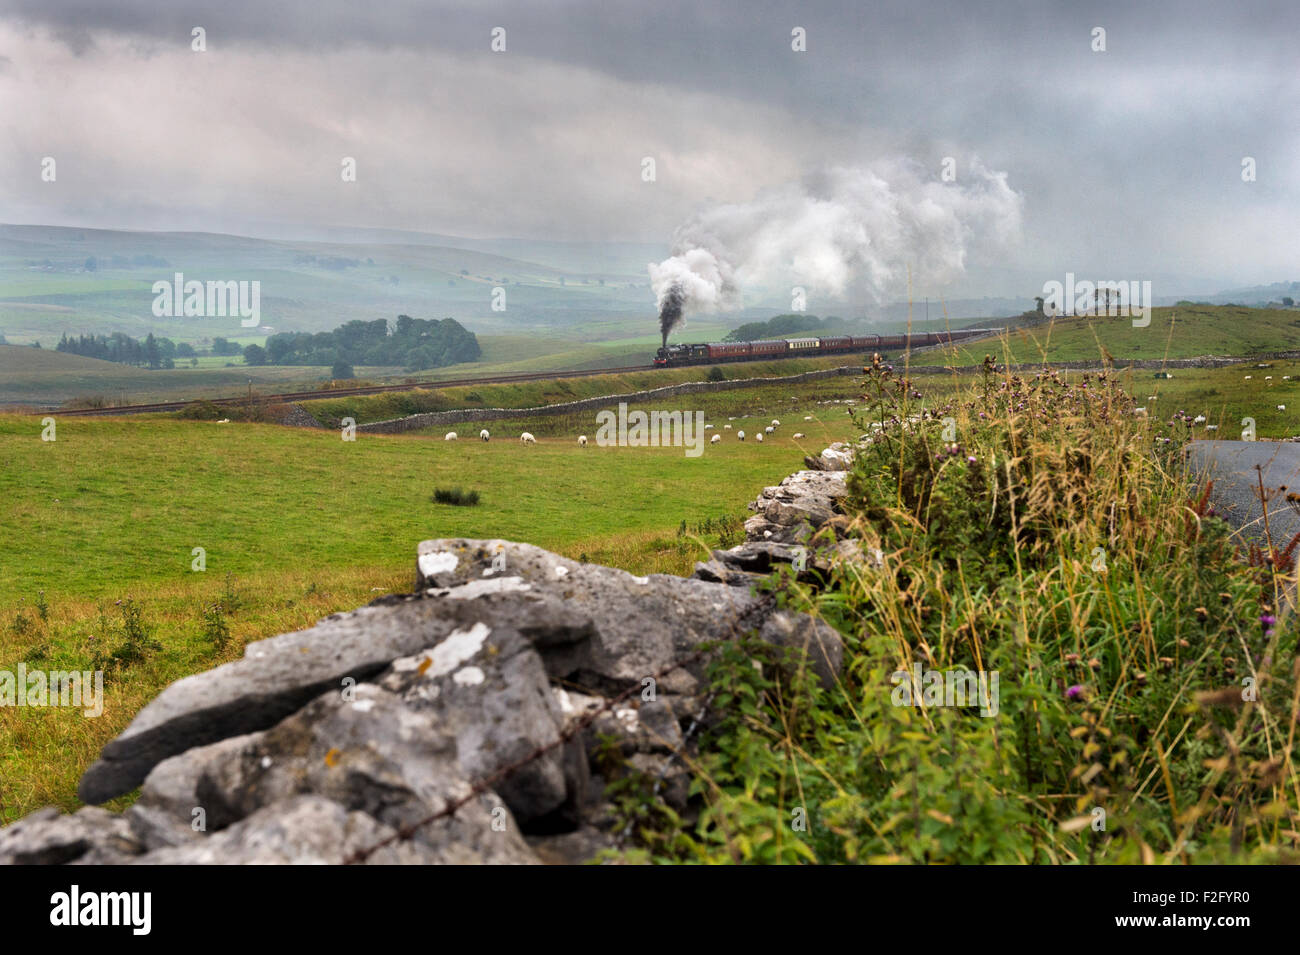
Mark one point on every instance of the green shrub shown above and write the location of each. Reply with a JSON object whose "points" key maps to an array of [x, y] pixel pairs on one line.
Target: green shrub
{"points": [[1035, 529], [456, 497]]}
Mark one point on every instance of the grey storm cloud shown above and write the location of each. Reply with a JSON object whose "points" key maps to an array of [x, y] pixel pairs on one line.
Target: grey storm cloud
{"points": [[1127, 161]]}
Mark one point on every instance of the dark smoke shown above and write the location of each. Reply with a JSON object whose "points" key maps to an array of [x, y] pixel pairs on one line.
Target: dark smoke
{"points": [[670, 310]]}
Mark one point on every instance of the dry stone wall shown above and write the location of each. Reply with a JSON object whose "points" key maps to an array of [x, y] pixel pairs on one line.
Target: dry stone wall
{"points": [[469, 710]]}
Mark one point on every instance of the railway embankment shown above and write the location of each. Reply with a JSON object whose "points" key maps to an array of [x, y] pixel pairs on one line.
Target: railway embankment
{"points": [[414, 422]]}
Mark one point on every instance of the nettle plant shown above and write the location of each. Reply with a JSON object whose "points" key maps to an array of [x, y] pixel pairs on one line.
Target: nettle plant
{"points": [[1038, 528]]}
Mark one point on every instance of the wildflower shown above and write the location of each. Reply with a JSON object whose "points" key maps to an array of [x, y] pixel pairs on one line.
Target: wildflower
{"points": [[1074, 692]]}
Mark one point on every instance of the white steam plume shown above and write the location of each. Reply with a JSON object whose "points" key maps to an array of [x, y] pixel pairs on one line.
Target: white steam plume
{"points": [[842, 227]]}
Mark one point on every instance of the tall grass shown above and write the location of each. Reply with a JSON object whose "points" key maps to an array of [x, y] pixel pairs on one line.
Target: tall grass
{"points": [[1039, 529]]}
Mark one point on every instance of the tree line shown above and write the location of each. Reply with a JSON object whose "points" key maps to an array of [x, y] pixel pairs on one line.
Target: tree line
{"points": [[412, 343], [149, 352], [781, 326]]}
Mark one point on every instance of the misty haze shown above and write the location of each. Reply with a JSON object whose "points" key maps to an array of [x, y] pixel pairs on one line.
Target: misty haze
{"points": [[436, 433]]}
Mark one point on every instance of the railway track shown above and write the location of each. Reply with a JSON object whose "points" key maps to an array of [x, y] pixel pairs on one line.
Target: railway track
{"points": [[287, 397]]}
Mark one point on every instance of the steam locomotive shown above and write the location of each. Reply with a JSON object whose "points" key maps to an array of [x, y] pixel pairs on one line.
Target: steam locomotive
{"points": [[714, 352]]}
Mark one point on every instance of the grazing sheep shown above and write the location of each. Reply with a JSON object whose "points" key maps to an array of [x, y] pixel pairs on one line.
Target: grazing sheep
{"points": [[1248, 377], [1199, 419], [582, 440], [740, 435], [759, 437], [224, 421], [726, 427], [527, 438], [798, 434], [1268, 377], [1139, 410], [1211, 427], [715, 439], [807, 417], [449, 436], [1281, 407], [708, 427], [775, 423], [768, 430], [483, 435]]}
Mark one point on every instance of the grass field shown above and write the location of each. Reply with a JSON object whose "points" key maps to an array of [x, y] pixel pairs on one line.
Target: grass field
{"points": [[295, 524], [1183, 332], [43, 377], [1223, 395], [98, 529]]}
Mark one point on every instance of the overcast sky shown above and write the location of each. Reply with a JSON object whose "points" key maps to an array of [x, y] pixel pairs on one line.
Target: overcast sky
{"points": [[1129, 161]]}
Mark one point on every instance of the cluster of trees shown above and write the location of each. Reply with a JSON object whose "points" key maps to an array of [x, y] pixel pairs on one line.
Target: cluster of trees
{"points": [[149, 352], [412, 343], [782, 326]]}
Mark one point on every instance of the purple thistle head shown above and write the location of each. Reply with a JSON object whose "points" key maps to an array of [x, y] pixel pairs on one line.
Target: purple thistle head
{"points": [[1074, 692]]}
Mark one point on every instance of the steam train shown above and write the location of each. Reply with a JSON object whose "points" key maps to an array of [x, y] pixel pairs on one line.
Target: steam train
{"points": [[714, 352]]}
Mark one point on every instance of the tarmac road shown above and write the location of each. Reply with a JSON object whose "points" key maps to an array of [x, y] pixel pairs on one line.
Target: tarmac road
{"points": [[1231, 464]]}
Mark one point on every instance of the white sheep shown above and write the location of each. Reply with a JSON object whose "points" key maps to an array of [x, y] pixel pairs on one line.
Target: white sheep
{"points": [[740, 435], [224, 421], [449, 436], [807, 417], [527, 438], [775, 423], [1199, 419], [483, 435], [726, 427], [1139, 410], [1281, 407], [582, 440], [715, 439], [798, 434], [768, 430], [708, 427], [1268, 377], [1248, 377], [759, 437]]}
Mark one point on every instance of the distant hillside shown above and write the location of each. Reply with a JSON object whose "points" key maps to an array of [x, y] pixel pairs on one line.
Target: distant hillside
{"points": [[82, 281], [1174, 332], [1256, 295]]}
